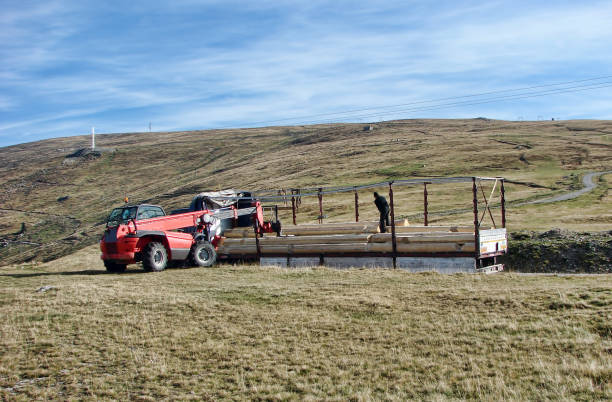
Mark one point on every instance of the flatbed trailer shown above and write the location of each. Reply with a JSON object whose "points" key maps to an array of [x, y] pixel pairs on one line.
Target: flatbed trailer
{"points": [[469, 248], [189, 236]]}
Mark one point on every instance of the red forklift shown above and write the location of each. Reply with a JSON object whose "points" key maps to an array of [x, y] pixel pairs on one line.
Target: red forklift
{"points": [[144, 233]]}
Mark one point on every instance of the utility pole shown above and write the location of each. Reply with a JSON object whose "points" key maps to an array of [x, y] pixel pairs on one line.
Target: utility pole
{"points": [[93, 138], [149, 126]]}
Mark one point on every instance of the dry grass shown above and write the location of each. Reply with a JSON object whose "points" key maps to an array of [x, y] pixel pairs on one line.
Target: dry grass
{"points": [[169, 168], [267, 333]]}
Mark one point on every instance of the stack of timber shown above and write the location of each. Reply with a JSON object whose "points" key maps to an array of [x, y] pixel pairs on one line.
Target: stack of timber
{"points": [[349, 238]]}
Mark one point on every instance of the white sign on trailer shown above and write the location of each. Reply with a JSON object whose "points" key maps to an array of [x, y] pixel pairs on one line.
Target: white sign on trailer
{"points": [[493, 241]]}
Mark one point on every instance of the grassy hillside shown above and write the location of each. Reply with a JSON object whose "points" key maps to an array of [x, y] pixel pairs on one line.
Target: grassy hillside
{"points": [[300, 334], [61, 201], [72, 331]]}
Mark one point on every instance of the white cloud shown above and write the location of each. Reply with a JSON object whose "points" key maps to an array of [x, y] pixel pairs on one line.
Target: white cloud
{"points": [[315, 57]]}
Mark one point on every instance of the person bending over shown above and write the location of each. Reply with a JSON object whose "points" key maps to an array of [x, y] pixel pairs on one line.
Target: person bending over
{"points": [[383, 209]]}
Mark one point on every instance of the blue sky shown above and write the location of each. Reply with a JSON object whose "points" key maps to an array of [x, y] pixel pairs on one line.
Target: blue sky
{"points": [[186, 64]]}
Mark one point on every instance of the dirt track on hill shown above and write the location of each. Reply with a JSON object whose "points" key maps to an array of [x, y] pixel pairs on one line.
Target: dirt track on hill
{"points": [[587, 182]]}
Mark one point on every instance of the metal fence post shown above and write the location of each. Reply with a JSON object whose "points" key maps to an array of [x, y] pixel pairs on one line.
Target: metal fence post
{"points": [[503, 204], [425, 205], [356, 206], [476, 225], [320, 205], [293, 209], [393, 238]]}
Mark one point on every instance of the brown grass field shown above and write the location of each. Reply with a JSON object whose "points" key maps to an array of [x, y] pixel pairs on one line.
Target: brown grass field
{"points": [[245, 332], [263, 333], [63, 204]]}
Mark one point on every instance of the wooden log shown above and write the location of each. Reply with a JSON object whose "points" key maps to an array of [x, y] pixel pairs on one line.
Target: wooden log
{"points": [[309, 230], [333, 225], [387, 247], [398, 222], [299, 231], [319, 239], [238, 233], [320, 248], [423, 247], [401, 222], [431, 237], [424, 229], [317, 229], [237, 250], [290, 249]]}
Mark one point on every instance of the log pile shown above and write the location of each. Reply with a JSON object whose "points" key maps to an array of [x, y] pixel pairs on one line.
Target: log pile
{"points": [[349, 238]]}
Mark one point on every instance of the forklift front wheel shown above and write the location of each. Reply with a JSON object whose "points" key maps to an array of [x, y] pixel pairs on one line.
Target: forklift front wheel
{"points": [[154, 257], [203, 254]]}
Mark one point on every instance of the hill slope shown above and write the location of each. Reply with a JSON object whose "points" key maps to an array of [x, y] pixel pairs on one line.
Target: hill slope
{"points": [[55, 198]]}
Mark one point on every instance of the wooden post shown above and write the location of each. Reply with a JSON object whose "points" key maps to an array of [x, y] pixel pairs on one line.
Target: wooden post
{"points": [[476, 224], [503, 204], [320, 205], [276, 221], [425, 203], [356, 206], [293, 209], [393, 238]]}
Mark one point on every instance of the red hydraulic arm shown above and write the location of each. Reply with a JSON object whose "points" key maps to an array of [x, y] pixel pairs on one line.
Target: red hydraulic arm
{"points": [[171, 222], [196, 219]]}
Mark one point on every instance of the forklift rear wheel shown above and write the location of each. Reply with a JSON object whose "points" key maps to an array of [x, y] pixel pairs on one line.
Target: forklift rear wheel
{"points": [[203, 254], [154, 257], [112, 266]]}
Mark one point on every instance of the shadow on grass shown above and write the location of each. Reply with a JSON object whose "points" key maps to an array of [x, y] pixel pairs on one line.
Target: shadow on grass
{"points": [[69, 273]]}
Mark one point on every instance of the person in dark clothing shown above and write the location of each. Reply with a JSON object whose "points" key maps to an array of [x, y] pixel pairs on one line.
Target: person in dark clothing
{"points": [[383, 209]]}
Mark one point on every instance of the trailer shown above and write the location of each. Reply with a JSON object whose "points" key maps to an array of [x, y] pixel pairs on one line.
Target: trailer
{"points": [[452, 248], [230, 226]]}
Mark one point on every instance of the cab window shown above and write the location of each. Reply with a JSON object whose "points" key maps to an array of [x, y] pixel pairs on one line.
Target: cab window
{"points": [[148, 212], [121, 215]]}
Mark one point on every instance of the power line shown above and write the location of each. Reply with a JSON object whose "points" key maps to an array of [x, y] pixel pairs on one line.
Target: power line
{"points": [[478, 102], [384, 110]]}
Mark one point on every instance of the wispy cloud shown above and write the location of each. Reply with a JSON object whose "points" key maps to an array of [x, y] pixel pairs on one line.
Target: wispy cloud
{"points": [[191, 64]]}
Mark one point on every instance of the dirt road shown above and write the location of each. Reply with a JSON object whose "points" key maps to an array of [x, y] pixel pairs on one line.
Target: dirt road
{"points": [[587, 182]]}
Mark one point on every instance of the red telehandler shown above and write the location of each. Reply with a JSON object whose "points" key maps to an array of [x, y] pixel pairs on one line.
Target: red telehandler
{"points": [[145, 233]]}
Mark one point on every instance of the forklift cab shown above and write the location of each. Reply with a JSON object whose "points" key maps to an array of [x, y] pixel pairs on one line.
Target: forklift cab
{"points": [[125, 214]]}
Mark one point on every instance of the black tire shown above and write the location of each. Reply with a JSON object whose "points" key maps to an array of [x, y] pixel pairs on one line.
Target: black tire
{"points": [[203, 254], [154, 257], [112, 266]]}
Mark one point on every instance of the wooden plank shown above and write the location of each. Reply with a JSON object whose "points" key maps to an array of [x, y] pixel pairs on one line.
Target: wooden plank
{"points": [[401, 222], [294, 248], [319, 239], [432, 237], [300, 231], [242, 249], [425, 229], [423, 247], [317, 229], [239, 233]]}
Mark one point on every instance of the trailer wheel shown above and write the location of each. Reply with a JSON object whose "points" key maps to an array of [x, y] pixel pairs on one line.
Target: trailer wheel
{"points": [[203, 254], [112, 266], [154, 257]]}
